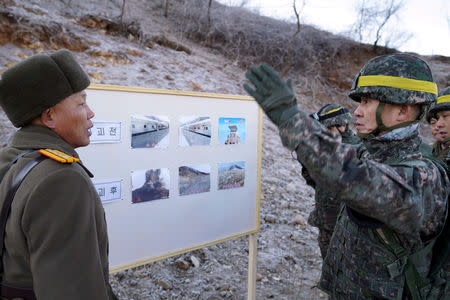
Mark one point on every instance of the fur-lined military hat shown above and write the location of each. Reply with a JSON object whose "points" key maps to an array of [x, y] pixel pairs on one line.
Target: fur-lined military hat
{"points": [[39, 82]]}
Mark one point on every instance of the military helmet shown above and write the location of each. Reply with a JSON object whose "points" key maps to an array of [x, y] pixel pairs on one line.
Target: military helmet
{"points": [[396, 79], [333, 115], [429, 115], [442, 103]]}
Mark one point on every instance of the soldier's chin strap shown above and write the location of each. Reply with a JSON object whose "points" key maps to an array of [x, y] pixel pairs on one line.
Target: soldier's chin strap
{"points": [[383, 128]]}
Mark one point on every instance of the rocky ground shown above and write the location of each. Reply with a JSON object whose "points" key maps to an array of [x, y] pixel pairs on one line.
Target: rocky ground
{"points": [[289, 260]]}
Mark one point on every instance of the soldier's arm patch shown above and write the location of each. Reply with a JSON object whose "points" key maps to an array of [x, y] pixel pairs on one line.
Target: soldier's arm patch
{"points": [[58, 156]]}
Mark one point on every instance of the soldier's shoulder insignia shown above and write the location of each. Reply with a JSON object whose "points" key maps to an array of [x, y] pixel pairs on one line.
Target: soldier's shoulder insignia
{"points": [[58, 156]]}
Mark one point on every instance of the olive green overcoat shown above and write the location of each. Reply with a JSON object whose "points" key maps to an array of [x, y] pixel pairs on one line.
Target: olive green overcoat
{"points": [[56, 238]]}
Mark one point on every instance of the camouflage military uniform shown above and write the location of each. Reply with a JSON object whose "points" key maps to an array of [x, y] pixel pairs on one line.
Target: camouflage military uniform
{"points": [[441, 149], [409, 198], [326, 206], [348, 137], [387, 185]]}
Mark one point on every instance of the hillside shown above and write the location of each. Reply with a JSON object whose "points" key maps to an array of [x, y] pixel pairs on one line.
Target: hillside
{"points": [[183, 52]]}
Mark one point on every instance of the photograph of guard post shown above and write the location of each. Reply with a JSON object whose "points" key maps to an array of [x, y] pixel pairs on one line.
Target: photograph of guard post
{"points": [[149, 131], [232, 131], [194, 131]]}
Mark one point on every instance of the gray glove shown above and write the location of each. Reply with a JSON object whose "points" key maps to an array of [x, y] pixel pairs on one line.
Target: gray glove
{"points": [[274, 95]]}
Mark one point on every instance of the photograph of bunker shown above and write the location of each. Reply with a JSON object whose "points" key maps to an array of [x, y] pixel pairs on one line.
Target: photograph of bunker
{"points": [[149, 132], [232, 131], [231, 175], [194, 179], [195, 131], [150, 185]]}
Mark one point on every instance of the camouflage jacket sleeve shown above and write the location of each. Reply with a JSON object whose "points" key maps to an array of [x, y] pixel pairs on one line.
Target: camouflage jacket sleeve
{"points": [[408, 199]]}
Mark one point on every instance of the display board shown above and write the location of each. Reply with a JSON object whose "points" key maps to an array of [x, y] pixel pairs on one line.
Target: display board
{"points": [[176, 171]]}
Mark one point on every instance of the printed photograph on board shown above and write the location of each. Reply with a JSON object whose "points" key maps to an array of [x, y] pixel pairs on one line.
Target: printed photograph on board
{"points": [[149, 131], [231, 131], [231, 174], [194, 131], [151, 184], [194, 179]]}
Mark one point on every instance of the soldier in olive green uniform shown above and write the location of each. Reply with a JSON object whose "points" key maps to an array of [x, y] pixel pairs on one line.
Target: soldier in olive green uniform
{"points": [[393, 199], [440, 112], [336, 118], [56, 243]]}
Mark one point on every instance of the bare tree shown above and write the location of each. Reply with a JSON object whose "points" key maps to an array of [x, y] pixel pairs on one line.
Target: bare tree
{"points": [[208, 25], [386, 14], [396, 38], [243, 3], [291, 40], [249, 38], [209, 14], [122, 11], [166, 8], [373, 17], [237, 3]]}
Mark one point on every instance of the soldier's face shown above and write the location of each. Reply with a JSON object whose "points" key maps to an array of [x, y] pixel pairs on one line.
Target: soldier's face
{"points": [[72, 120], [442, 125], [434, 131], [366, 115]]}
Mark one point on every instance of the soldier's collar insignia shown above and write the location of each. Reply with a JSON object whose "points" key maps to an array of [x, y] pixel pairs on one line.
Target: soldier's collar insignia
{"points": [[58, 156]]}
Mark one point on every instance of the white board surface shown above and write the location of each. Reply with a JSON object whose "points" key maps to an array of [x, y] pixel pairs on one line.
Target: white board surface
{"points": [[147, 231]]}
